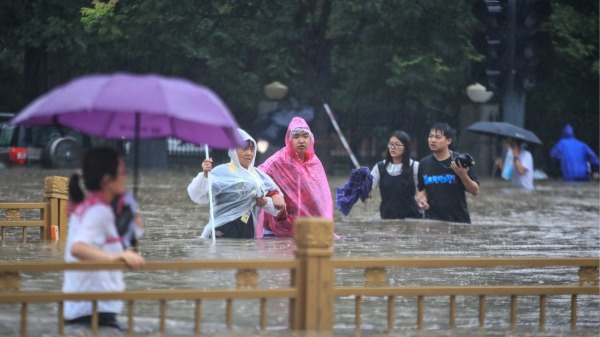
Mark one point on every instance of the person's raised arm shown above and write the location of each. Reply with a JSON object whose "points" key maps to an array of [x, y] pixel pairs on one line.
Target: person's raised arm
{"points": [[592, 158], [198, 188], [521, 169], [471, 186]]}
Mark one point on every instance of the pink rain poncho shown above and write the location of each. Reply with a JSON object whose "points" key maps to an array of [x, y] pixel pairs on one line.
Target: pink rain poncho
{"points": [[304, 184]]}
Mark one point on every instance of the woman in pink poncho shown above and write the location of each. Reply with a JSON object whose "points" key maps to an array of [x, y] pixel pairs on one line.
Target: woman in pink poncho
{"points": [[298, 172]]}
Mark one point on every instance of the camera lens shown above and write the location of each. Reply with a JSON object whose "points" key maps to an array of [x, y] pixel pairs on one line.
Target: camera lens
{"points": [[465, 160]]}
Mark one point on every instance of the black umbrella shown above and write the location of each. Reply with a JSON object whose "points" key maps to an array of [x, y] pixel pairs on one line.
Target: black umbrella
{"points": [[273, 126], [505, 130]]}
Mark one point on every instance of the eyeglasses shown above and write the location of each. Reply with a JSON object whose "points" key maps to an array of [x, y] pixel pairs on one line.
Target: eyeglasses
{"points": [[394, 145]]}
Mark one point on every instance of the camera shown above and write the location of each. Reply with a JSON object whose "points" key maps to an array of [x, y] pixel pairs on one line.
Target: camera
{"points": [[464, 160]]}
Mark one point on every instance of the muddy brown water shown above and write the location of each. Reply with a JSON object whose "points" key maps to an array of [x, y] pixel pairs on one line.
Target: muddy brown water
{"points": [[556, 220]]}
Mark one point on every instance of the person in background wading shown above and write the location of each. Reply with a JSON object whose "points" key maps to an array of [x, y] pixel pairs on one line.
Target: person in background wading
{"points": [[93, 236], [240, 191], [575, 156], [396, 177], [517, 166]]}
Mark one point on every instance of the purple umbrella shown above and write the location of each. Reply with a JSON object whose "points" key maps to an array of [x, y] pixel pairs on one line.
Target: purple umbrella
{"points": [[107, 106], [130, 106]]}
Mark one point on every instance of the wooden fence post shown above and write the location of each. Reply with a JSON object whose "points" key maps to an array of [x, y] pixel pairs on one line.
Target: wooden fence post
{"points": [[313, 309], [56, 193]]}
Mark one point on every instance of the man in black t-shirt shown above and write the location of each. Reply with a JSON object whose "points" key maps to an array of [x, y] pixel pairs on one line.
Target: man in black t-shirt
{"points": [[442, 183]]}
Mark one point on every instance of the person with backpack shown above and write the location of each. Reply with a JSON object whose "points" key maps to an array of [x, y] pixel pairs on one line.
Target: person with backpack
{"points": [[93, 236]]}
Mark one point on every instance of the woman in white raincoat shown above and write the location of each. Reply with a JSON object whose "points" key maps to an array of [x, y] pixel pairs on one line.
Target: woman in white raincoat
{"points": [[239, 192]]}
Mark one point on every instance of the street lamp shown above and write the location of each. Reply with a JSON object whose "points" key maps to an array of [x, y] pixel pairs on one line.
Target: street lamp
{"points": [[262, 145], [275, 92], [478, 93], [481, 147]]}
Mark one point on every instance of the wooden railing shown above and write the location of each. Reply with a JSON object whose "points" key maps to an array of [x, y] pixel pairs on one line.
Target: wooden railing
{"points": [[312, 289], [13, 212], [246, 282], [52, 211], [375, 275]]}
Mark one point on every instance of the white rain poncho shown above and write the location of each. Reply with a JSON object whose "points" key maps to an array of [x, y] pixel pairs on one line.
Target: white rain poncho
{"points": [[234, 191]]}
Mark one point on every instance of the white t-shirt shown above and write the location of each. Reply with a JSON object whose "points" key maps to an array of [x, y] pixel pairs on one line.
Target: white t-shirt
{"points": [[524, 180], [95, 227], [393, 170]]}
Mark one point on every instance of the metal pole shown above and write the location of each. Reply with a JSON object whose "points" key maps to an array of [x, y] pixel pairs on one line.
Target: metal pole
{"points": [[513, 107], [136, 154], [342, 138], [210, 200]]}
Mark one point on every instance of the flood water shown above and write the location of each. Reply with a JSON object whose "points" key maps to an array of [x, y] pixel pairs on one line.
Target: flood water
{"points": [[555, 220]]}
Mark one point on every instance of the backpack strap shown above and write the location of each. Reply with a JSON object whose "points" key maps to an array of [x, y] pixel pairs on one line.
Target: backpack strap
{"points": [[382, 170]]}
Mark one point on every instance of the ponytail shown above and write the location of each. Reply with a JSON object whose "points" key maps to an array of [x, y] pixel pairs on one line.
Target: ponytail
{"points": [[97, 163], [76, 194]]}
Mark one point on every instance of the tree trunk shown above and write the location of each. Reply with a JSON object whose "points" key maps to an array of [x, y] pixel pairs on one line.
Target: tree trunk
{"points": [[43, 71], [34, 74]]}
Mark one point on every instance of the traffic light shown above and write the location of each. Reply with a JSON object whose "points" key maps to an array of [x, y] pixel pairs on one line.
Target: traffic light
{"points": [[491, 43], [530, 43]]}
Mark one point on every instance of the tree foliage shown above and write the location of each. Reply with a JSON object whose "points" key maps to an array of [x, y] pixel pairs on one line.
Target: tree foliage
{"points": [[569, 90], [380, 64]]}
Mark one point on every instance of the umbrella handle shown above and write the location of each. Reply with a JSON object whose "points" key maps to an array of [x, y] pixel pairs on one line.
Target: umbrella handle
{"points": [[342, 138], [136, 154], [210, 200]]}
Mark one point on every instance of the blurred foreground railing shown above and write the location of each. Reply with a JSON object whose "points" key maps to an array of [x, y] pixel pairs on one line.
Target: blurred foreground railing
{"points": [[51, 212], [312, 288], [246, 281], [14, 217]]}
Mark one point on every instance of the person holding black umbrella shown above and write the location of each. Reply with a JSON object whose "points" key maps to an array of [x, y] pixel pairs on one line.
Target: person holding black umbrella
{"points": [[517, 166]]}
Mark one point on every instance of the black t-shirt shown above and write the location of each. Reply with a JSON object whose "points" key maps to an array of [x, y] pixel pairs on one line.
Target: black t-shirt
{"points": [[445, 191]]}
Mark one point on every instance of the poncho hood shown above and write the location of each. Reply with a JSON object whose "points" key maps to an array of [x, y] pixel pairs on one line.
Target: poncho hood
{"points": [[567, 132], [233, 152], [236, 188], [295, 124]]}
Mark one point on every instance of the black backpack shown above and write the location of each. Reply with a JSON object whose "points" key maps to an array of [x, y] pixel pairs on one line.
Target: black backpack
{"points": [[123, 219]]}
